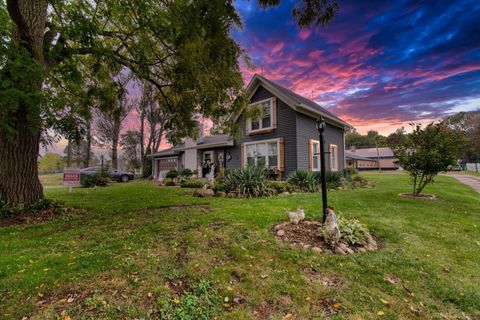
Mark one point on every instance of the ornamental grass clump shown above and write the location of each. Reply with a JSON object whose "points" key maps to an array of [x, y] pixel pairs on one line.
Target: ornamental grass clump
{"points": [[303, 180], [248, 182]]}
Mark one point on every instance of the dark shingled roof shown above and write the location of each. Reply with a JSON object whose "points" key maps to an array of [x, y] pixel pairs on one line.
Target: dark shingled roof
{"points": [[302, 100]]}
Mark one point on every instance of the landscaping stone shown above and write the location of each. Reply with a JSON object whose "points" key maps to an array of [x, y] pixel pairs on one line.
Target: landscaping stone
{"points": [[231, 195], [198, 192], [340, 251], [306, 247], [285, 193], [221, 194], [280, 233], [317, 250], [362, 250], [208, 193]]}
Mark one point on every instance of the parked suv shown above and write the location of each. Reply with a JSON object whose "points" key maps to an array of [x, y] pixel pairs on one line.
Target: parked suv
{"points": [[116, 175]]}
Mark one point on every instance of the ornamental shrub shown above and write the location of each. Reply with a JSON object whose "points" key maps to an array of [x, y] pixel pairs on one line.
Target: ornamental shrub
{"points": [[172, 174], [303, 180], [279, 186], [353, 232], [248, 182], [193, 183], [91, 180]]}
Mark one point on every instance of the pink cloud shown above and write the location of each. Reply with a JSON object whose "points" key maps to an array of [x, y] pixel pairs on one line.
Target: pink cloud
{"points": [[304, 34]]}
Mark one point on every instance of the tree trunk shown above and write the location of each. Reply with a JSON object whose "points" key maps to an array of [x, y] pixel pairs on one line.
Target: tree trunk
{"points": [[143, 158], [115, 154], [88, 145], [19, 181]]}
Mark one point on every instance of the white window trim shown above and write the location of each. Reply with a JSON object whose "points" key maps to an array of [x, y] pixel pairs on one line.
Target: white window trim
{"points": [[249, 120], [332, 148], [245, 157], [208, 152], [312, 142]]}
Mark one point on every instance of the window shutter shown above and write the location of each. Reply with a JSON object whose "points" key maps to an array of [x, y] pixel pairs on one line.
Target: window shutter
{"points": [[242, 152], [310, 154], [281, 162], [274, 112]]}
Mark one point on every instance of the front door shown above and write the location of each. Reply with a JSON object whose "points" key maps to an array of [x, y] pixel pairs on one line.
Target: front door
{"points": [[208, 164]]}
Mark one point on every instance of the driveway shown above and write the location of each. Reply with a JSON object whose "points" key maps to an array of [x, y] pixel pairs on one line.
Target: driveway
{"points": [[469, 180]]}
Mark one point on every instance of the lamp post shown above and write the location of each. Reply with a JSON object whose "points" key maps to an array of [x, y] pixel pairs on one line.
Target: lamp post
{"points": [[321, 126]]}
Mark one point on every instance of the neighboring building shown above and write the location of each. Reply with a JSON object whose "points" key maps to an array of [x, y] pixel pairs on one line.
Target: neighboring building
{"points": [[367, 159], [283, 139]]}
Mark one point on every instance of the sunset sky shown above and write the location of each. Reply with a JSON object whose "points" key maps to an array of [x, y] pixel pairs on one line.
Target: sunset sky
{"points": [[379, 65]]}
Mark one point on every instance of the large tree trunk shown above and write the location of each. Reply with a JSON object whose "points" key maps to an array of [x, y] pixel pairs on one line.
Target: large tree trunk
{"points": [[19, 150], [88, 146], [19, 181], [143, 158], [115, 153]]}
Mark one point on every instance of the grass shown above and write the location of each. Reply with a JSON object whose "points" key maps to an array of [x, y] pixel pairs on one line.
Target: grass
{"points": [[54, 179], [143, 251]]}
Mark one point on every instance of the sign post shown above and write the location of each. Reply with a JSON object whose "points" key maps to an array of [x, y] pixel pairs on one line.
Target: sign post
{"points": [[71, 177]]}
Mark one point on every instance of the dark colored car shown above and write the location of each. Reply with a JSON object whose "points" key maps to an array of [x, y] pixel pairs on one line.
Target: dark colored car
{"points": [[116, 175]]}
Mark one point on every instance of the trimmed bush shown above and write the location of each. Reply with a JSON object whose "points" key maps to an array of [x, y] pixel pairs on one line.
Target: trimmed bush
{"points": [[172, 174], [186, 174], [334, 179], [220, 185], [303, 180], [279, 186], [193, 183], [168, 182], [92, 180], [248, 182], [359, 182]]}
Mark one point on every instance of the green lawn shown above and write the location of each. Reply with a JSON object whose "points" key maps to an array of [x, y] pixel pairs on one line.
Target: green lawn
{"points": [[54, 179], [143, 251]]}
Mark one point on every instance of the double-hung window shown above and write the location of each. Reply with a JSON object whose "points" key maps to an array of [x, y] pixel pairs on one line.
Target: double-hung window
{"points": [[262, 153], [333, 157], [315, 154], [264, 121]]}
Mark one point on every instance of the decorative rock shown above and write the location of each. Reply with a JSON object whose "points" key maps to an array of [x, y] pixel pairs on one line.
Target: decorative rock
{"points": [[198, 192], [340, 251], [306, 246], [349, 251], [285, 193], [316, 250], [280, 233], [362, 250], [221, 194], [231, 195], [209, 193]]}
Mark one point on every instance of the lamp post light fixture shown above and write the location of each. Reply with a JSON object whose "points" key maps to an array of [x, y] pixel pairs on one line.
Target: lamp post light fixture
{"points": [[321, 126]]}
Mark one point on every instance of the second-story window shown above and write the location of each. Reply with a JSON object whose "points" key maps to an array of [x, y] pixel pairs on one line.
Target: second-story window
{"points": [[265, 119]]}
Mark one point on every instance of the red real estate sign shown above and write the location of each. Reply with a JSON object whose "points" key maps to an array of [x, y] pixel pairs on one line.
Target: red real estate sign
{"points": [[71, 177]]}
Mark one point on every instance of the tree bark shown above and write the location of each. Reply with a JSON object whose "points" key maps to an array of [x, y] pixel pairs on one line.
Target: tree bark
{"points": [[88, 145], [115, 153], [19, 181]]}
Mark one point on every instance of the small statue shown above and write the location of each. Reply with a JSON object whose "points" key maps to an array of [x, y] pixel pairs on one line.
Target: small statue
{"points": [[296, 216], [331, 232]]}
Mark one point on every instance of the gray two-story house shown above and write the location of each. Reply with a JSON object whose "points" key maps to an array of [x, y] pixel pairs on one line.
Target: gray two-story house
{"points": [[282, 137]]}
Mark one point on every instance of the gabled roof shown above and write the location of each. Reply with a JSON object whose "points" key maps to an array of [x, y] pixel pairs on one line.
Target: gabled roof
{"points": [[295, 101], [172, 151]]}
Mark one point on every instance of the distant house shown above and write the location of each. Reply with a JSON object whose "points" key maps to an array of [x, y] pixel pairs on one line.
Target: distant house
{"points": [[369, 159], [284, 138]]}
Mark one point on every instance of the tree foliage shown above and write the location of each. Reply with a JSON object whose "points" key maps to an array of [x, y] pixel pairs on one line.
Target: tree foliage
{"points": [[50, 162], [467, 124], [427, 151]]}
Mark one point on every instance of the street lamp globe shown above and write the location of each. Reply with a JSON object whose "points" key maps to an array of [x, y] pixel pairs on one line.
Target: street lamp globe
{"points": [[321, 125]]}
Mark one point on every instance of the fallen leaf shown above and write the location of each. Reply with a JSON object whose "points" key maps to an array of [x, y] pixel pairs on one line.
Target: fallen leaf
{"points": [[46, 269], [263, 276], [337, 305], [229, 288], [226, 299], [380, 313], [70, 299], [385, 302], [67, 318], [22, 271], [226, 305], [288, 316], [176, 301], [149, 294]]}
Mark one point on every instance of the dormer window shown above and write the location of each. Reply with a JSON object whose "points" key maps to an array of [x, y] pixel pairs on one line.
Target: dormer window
{"points": [[266, 120]]}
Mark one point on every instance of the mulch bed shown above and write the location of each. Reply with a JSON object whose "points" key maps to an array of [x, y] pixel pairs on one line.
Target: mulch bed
{"points": [[304, 233], [422, 196]]}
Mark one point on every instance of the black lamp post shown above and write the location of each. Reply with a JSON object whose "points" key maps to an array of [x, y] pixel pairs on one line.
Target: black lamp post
{"points": [[321, 126]]}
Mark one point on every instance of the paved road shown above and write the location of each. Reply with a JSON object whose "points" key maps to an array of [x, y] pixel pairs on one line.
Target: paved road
{"points": [[469, 180]]}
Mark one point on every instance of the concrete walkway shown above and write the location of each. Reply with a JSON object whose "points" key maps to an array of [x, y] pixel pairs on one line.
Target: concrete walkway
{"points": [[469, 180]]}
